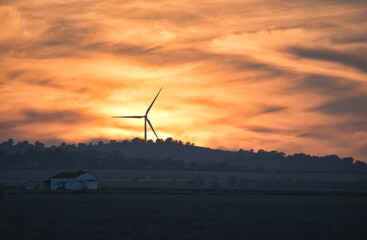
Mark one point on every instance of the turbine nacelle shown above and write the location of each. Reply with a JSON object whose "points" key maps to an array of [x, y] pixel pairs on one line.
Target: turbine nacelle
{"points": [[145, 118]]}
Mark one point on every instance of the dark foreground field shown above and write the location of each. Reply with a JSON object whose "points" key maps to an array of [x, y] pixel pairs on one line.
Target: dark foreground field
{"points": [[181, 216]]}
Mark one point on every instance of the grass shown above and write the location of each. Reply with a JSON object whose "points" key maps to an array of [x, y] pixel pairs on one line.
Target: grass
{"points": [[198, 196], [119, 215]]}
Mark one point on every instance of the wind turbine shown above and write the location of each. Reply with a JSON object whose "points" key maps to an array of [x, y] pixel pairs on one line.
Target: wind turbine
{"points": [[145, 118]]}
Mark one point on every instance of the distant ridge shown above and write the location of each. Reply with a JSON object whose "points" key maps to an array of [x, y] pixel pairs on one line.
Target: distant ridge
{"points": [[165, 154]]}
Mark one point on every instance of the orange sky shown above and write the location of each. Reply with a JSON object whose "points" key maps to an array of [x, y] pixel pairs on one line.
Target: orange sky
{"points": [[275, 75]]}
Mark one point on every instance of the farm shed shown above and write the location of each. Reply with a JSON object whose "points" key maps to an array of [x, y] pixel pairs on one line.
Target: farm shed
{"points": [[71, 181]]}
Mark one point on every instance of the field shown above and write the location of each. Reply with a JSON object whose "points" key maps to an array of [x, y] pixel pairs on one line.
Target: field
{"points": [[129, 215], [182, 179]]}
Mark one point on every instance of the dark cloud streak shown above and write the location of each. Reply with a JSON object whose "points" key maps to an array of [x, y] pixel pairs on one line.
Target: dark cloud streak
{"points": [[326, 85], [29, 117], [355, 106], [354, 59]]}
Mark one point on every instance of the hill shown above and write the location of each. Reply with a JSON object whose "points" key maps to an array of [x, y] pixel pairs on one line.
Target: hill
{"points": [[167, 154]]}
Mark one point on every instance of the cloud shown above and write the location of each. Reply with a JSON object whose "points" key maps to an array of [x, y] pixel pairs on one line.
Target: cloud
{"points": [[356, 59], [363, 151], [32, 77], [356, 38], [29, 117], [354, 106], [326, 85], [46, 125], [241, 70], [274, 109], [64, 116], [323, 131], [352, 126], [268, 130]]}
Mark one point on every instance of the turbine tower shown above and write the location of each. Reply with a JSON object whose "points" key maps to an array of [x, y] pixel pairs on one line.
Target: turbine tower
{"points": [[145, 118]]}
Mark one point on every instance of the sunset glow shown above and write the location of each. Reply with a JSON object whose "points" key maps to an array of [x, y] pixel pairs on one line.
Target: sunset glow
{"points": [[277, 75]]}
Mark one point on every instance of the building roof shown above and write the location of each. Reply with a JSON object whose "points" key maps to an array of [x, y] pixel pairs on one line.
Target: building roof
{"points": [[68, 174]]}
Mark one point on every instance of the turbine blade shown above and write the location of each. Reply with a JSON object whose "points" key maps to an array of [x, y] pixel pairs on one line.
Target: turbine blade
{"points": [[127, 117], [152, 128], [153, 102]]}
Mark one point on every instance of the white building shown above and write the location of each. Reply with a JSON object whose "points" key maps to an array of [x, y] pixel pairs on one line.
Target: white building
{"points": [[71, 181]]}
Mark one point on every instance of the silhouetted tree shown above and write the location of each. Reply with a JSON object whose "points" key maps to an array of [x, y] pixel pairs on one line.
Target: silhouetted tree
{"points": [[63, 145], [169, 140], [360, 166], [39, 146]]}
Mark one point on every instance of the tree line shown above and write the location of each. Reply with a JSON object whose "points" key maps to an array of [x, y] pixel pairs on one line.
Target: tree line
{"points": [[164, 154]]}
